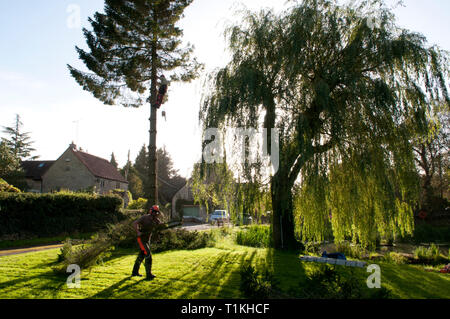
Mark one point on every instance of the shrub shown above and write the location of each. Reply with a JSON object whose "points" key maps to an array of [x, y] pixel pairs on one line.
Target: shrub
{"points": [[96, 249], [5, 187], [255, 236], [312, 248], [65, 250], [139, 203], [425, 233], [177, 239], [172, 239], [430, 255], [255, 285], [395, 258], [349, 250], [53, 214], [325, 282]]}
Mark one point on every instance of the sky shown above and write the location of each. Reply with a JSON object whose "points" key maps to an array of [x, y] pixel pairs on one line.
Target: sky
{"points": [[38, 40]]}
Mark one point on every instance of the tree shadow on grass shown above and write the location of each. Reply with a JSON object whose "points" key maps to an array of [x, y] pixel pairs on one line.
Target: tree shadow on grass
{"points": [[48, 282], [113, 289], [287, 268], [223, 280], [417, 283], [188, 277]]}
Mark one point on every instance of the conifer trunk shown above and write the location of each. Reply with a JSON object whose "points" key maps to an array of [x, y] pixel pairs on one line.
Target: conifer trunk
{"points": [[153, 165]]}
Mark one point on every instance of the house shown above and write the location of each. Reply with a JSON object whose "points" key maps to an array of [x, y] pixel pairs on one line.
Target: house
{"points": [[74, 170], [34, 170], [183, 206]]}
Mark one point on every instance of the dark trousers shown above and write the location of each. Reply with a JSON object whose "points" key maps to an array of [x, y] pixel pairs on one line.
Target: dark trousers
{"points": [[159, 99], [144, 254]]}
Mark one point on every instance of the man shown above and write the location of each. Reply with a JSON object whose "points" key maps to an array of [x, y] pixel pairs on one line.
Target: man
{"points": [[145, 226], [162, 91]]}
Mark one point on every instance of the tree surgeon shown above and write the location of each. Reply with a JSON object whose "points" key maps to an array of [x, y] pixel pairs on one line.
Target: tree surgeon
{"points": [[145, 227]]}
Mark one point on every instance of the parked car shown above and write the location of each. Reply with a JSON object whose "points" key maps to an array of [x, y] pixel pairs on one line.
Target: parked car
{"points": [[219, 216]]}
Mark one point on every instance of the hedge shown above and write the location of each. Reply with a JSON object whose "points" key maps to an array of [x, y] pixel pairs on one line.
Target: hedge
{"points": [[54, 214]]}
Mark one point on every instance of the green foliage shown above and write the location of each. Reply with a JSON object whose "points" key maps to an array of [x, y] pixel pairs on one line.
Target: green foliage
{"points": [[313, 248], [169, 180], [54, 214], [113, 160], [97, 248], [351, 250], [65, 250], [19, 142], [256, 285], [428, 255], [178, 239], [326, 282], [347, 99], [85, 256], [139, 203], [214, 185], [10, 168], [5, 187], [395, 258], [134, 53], [425, 233], [255, 236]]}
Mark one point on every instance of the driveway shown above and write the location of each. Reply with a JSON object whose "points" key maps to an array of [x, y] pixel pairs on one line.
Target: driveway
{"points": [[187, 226], [27, 250]]}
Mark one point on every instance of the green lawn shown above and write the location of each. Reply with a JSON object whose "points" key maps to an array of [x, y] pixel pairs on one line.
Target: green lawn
{"points": [[204, 273]]}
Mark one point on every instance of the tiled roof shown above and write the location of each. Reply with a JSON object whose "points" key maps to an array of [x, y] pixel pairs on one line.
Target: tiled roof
{"points": [[35, 169], [99, 167]]}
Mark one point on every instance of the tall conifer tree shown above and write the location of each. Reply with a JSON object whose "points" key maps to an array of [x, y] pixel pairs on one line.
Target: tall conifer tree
{"points": [[131, 45]]}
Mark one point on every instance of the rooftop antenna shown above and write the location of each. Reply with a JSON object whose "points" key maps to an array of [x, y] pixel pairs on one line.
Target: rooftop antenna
{"points": [[77, 130]]}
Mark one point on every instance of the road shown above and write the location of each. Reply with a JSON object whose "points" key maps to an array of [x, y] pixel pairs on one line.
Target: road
{"points": [[9, 252]]}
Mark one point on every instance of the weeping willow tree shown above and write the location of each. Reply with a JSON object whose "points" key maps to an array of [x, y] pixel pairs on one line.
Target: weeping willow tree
{"points": [[346, 88]]}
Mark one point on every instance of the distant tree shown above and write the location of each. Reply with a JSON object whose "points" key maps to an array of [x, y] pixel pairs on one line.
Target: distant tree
{"points": [[19, 142], [10, 169], [135, 184], [113, 160], [432, 155], [169, 181], [131, 45]]}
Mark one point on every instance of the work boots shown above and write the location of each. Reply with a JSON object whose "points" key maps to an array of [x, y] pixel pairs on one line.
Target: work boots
{"points": [[148, 268], [137, 265]]}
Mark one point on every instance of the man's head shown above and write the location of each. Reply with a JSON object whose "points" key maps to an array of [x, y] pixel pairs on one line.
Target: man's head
{"points": [[154, 210]]}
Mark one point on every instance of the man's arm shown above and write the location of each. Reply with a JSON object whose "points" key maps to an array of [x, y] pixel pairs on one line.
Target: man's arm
{"points": [[136, 227]]}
